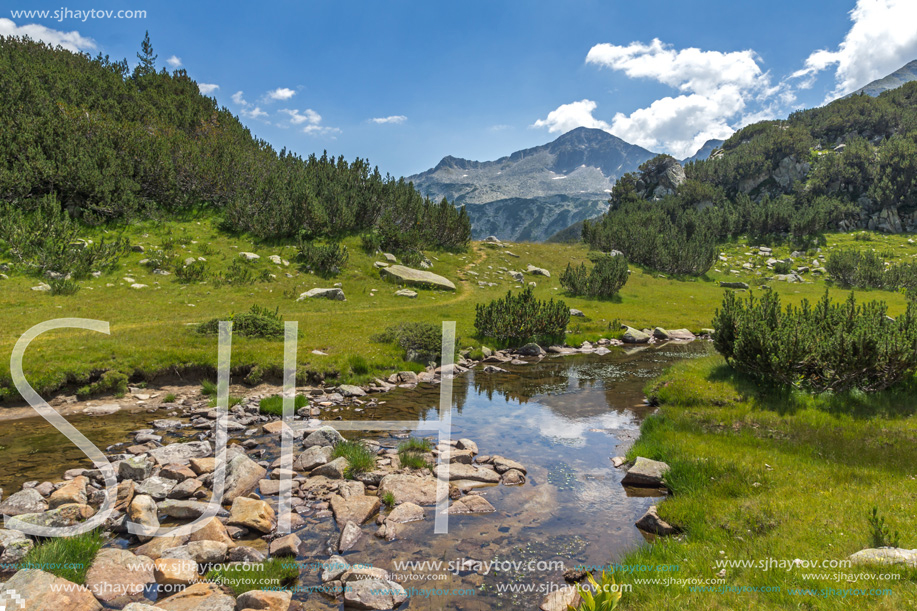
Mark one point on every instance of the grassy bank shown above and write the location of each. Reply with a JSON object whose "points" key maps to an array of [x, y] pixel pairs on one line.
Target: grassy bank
{"points": [[152, 329], [763, 476]]}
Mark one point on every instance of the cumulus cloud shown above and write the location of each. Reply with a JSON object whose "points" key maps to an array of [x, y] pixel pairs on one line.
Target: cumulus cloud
{"points": [[883, 38], [207, 88], [281, 93], [72, 41], [714, 88], [570, 116], [312, 122], [249, 110], [396, 119], [174, 62]]}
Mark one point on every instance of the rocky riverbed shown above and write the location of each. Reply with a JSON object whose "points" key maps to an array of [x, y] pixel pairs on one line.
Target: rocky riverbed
{"points": [[525, 482]]}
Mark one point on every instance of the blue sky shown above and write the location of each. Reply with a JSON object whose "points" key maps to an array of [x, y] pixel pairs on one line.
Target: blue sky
{"points": [[405, 83]]}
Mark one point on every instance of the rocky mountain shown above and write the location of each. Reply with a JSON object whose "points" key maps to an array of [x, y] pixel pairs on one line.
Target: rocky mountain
{"points": [[704, 151], [533, 193], [905, 74]]}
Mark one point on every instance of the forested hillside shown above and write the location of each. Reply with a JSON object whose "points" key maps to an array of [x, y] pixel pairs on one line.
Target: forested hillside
{"points": [[849, 165], [110, 144]]}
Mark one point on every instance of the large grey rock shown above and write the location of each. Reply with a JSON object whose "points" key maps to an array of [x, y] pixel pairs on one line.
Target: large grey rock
{"points": [[242, 477], [265, 600], [349, 390], [538, 271], [24, 501], [136, 468], [202, 552], [372, 593], [183, 510], [41, 591], [652, 523], [645, 472], [201, 596], [117, 577], [313, 457], [474, 473], [286, 546], [733, 285], [334, 294], [156, 487], [335, 469], [14, 546], [408, 488], [350, 535], [561, 599], [885, 556], [531, 349], [635, 336], [400, 274], [325, 436], [357, 509], [471, 504], [181, 453], [143, 511]]}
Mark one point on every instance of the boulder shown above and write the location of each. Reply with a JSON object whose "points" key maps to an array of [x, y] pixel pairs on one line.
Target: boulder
{"points": [[673, 334], [313, 457], [332, 470], [471, 504], [408, 488], [350, 534], [652, 523], [65, 515], [158, 545], [22, 502], [885, 556], [285, 546], [264, 600], [634, 336], [406, 293], [502, 465], [253, 514], [14, 545], [175, 571], [577, 313], [334, 294], [181, 453], [202, 552], [136, 468], [356, 509], [734, 285], [143, 511], [201, 596], [372, 593], [325, 436], [400, 274], [212, 530], [405, 513], [349, 390], [249, 256], [473, 473], [531, 349], [538, 271], [41, 591], [156, 487], [183, 510], [118, 577], [645, 472], [242, 477], [561, 600], [334, 567], [513, 478]]}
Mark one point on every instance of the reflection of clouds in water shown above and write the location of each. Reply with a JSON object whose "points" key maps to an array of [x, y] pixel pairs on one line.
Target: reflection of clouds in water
{"points": [[572, 431]]}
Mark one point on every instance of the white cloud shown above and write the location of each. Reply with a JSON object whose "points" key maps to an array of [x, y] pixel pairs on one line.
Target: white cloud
{"points": [[312, 120], [207, 88], [570, 116], [715, 89], [238, 99], [253, 113], [72, 41], [281, 93], [306, 116], [883, 38], [689, 70], [174, 62], [396, 119]]}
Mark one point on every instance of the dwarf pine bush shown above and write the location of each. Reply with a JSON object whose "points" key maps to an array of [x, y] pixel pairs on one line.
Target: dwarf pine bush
{"points": [[518, 318], [826, 347], [605, 279]]}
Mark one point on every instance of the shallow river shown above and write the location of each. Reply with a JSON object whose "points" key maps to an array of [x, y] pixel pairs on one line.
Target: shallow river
{"points": [[563, 418]]}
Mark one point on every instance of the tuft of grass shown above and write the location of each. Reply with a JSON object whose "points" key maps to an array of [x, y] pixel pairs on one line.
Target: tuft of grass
{"points": [[358, 364], [272, 574], [66, 557], [360, 458], [169, 398], [274, 405], [208, 388], [411, 451], [388, 499], [233, 401]]}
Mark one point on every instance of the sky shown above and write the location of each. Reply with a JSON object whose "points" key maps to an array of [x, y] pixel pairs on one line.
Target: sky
{"points": [[405, 83]]}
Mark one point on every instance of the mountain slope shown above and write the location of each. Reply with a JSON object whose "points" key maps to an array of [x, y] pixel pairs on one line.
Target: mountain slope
{"points": [[704, 151], [558, 184], [905, 74]]}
